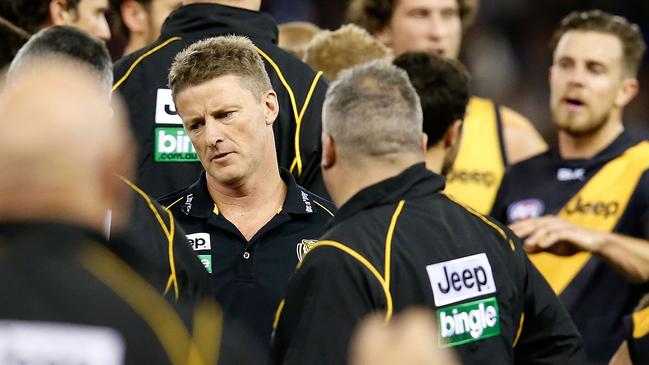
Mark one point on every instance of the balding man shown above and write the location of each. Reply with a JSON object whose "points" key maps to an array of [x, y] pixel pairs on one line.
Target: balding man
{"points": [[398, 241]]}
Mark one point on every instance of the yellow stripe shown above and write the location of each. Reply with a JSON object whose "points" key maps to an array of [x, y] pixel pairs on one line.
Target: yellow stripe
{"points": [[479, 215], [143, 56], [367, 264], [298, 117], [278, 314], [323, 207], [641, 323], [216, 209], [293, 165], [168, 233], [388, 241], [298, 128], [206, 335], [174, 203], [520, 330], [143, 299]]}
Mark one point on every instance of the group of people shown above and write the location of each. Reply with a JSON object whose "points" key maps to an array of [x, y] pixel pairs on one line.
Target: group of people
{"points": [[213, 198]]}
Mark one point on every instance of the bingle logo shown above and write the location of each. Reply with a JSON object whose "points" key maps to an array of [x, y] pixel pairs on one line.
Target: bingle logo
{"points": [[460, 279], [199, 241], [525, 209], [605, 209], [165, 109]]}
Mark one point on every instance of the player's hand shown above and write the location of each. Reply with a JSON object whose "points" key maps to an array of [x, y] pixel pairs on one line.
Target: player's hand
{"points": [[409, 339], [556, 235]]}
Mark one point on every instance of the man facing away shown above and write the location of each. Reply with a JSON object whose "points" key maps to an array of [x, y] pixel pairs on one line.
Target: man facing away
{"points": [[493, 136], [167, 160], [585, 202], [247, 219], [398, 241]]}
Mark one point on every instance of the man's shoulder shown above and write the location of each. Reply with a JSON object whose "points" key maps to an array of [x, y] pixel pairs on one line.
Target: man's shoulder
{"points": [[173, 200], [317, 204]]}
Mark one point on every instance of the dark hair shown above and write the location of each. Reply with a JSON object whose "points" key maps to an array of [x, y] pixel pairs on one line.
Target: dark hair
{"points": [[375, 15], [72, 43], [30, 15], [443, 88], [633, 45], [11, 39]]}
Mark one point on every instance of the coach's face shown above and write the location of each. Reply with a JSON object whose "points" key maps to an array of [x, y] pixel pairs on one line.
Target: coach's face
{"points": [[424, 26], [230, 127], [587, 81]]}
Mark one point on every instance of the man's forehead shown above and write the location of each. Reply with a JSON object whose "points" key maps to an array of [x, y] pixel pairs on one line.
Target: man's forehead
{"points": [[601, 46], [428, 3]]}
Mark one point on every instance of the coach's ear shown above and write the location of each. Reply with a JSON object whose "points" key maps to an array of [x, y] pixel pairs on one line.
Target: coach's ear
{"points": [[60, 12], [328, 151]]}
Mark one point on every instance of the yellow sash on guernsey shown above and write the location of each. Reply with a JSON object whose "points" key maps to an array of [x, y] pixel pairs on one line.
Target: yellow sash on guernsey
{"points": [[599, 205], [479, 166]]}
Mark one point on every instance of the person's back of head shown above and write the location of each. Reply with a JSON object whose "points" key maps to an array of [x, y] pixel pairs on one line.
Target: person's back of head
{"points": [[350, 45], [373, 114], [294, 36], [69, 42], [59, 144], [443, 88]]}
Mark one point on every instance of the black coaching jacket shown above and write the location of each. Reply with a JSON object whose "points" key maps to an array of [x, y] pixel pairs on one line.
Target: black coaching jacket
{"points": [[167, 160]]}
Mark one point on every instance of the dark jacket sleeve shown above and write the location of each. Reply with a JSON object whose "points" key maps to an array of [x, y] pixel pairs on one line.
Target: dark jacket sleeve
{"points": [[326, 299], [548, 335]]}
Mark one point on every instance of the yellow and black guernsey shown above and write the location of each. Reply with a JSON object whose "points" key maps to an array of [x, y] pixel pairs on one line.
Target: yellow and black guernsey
{"points": [[167, 160], [67, 298], [249, 277], [402, 243], [609, 192], [481, 160], [637, 336]]}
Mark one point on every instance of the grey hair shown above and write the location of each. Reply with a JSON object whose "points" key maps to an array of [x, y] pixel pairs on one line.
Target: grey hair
{"points": [[372, 110]]}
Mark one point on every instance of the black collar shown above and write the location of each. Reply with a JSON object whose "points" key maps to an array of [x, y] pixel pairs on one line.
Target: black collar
{"points": [[414, 182], [199, 203], [623, 142], [206, 20]]}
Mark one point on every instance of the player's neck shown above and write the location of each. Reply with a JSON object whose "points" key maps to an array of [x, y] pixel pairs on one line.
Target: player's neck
{"points": [[435, 159], [586, 146]]}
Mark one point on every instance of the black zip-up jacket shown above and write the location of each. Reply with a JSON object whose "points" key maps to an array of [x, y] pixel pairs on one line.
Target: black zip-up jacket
{"points": [[402, 243], [167, 161]]}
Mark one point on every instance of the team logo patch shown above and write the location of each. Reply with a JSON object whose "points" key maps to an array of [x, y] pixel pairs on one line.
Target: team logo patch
{"points": [[525, 209], [460, 279], [468, 322], [173, 145], [165, 109], [199, 241], [206, 260], [304, 247]]}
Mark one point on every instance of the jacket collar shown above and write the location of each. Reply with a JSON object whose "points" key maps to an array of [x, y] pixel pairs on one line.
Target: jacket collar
{"points": [[208, 20], [415, 181]]}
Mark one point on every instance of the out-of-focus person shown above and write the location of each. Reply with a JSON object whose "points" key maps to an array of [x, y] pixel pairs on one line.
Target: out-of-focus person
{"points": [[582, 208], [350, 45], [494, 136], [294, 36]]}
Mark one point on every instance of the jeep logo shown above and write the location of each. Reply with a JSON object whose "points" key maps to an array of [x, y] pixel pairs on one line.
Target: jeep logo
{"points": [[199, 241], [486, 178], [460, 279], [598, 208], [165, 109]]}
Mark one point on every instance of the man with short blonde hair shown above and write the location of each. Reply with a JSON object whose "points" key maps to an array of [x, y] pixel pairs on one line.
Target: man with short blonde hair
{"points": [[244, 213], [350, 45]]}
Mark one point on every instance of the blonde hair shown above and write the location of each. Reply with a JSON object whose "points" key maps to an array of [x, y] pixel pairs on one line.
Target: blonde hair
{"points": [[294, 36], [219, 56], [348, 46]]}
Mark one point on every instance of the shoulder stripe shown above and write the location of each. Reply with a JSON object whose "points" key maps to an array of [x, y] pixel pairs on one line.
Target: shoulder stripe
{"points": [[358, 257], [479, 215], [278, 313], [148, 304], [323, 207], [640, 323], [298, 117], [169, 233], [388, 241], [143, 56]]}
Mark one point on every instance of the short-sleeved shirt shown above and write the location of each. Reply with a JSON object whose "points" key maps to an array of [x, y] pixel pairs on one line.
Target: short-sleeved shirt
{"points": [[249, 278]]}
